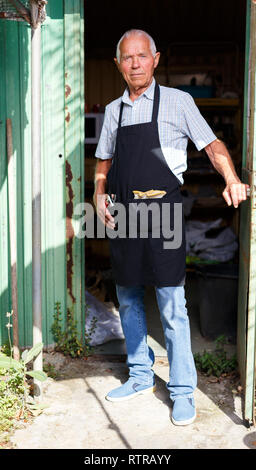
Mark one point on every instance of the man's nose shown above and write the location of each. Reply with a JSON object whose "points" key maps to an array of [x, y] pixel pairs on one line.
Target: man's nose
{"points": [[135, 63]]}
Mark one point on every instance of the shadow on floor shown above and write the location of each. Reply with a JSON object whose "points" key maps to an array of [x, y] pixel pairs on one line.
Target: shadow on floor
{"points": [[157, 342]]}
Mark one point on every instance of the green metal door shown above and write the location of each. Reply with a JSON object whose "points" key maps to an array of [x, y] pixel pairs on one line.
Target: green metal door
{"points": [[247, 269], [62, 167]]}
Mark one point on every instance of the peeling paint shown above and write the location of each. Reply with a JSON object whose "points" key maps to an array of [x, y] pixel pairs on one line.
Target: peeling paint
{"points": [[67, 90], [69, 229], [67, 118]]}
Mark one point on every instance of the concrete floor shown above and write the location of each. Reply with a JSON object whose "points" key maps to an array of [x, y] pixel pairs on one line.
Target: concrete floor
{"points": [[79, 417]]}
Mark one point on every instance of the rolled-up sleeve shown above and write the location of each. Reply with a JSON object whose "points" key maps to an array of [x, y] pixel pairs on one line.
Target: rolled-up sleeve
{"points": [[106, 145], [193, 123]]}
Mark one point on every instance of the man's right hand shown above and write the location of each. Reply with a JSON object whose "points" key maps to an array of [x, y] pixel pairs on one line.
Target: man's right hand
{"points": [[100, 202], [100, 197]]}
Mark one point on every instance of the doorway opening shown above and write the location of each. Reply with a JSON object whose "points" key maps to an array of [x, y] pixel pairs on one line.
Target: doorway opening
{"points": [[202, 52]]}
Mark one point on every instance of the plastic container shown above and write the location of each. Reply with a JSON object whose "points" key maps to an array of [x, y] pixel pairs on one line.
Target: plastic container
{"points": [[198, 91], [217, 295]]}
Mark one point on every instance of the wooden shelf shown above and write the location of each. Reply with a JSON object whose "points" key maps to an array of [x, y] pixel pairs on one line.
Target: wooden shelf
{"points": [[218, 102], [201, 172]]}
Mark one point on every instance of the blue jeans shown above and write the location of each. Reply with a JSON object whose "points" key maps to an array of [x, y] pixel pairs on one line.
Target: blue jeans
{"points": [[173, 313]]}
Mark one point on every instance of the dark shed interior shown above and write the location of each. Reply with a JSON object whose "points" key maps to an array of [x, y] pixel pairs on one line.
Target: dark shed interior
{"points": [[202, 47]]}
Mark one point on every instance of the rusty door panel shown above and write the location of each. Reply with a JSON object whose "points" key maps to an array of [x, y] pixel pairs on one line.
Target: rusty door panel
{"points": [[74, 156]]}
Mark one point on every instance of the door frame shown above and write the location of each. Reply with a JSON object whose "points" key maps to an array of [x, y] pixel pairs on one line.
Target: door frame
{"points": [[247, 268]]}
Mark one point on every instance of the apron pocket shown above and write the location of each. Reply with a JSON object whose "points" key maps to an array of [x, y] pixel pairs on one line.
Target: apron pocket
{"points": [[144, 217], [153, 194]]}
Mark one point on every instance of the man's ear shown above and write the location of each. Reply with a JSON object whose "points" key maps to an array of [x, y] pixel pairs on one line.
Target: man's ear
{"points": [[117, 63], [156, 59]]}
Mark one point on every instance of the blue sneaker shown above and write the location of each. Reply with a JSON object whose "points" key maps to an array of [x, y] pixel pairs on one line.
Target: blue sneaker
{"points": [[129, 389], [184, 411]]}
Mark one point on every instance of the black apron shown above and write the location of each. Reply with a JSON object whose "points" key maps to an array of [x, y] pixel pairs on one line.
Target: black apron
{"points": [[139, 164]]}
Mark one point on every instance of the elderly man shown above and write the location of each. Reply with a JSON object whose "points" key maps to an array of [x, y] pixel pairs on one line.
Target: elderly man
{"points": [[143, 147]]}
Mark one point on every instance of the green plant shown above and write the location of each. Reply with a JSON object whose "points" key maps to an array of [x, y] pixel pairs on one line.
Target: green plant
{"points": [[216, 362], [10, 406], [7, 362], [67, 341], [14, 389], [50, 370], [5, 349]]}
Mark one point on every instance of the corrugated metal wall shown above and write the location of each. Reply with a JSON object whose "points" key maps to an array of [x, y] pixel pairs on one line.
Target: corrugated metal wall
{"points": [[62, 165]]}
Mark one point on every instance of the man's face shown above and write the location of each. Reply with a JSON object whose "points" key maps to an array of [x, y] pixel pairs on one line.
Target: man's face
{"points": [[137, 63]]}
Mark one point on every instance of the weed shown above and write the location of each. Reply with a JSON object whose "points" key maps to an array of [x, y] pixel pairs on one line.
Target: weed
{"points": [[67, 341], [216, 362], [15, 402], [50, 370]]}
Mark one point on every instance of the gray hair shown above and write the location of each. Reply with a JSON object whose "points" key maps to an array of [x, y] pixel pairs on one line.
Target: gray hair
{"points": [[138, 32]]}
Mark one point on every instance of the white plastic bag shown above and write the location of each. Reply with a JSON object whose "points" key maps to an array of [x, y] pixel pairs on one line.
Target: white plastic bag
{"points": [[108, 326], [221, 247]]}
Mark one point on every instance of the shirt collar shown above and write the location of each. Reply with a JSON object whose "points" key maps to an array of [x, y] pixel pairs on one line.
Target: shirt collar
{"points": [[149, 93]]}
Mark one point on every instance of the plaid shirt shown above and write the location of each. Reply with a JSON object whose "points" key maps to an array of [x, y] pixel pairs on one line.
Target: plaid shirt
{"points": [[179, 119]]}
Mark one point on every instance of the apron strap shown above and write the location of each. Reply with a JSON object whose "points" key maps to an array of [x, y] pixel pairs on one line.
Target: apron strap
{"points": [[156, 103], [120, 114]]}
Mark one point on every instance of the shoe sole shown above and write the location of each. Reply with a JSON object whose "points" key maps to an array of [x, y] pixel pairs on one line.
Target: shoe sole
{"points": [[184, 422], [129, 397]]}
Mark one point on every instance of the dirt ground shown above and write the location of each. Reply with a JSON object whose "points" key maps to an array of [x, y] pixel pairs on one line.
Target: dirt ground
{"points": [[79, 417]]}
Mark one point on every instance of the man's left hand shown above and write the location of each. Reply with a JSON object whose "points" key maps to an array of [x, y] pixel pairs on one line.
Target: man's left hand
{"points": [[235, 192]]}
